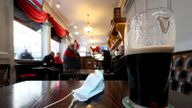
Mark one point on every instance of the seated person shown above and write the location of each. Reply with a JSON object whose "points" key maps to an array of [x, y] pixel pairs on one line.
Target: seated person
{"points": [[106, 60], [71, 58], [49, 60], [58, 62], [25, 55], [58, 59]]}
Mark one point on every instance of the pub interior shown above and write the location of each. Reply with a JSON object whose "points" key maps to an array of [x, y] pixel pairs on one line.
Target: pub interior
{"points": [[50, 48]]}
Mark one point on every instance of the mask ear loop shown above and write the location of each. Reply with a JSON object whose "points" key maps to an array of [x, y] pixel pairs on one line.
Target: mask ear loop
{"points": [[59, 100], [72, 103]]}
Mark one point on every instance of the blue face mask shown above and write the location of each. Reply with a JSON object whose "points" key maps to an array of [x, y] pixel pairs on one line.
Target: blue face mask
{"points": [[93, 85]]}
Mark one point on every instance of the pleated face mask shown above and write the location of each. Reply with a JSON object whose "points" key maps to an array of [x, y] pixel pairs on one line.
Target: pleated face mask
{"points": [[93, 85]]}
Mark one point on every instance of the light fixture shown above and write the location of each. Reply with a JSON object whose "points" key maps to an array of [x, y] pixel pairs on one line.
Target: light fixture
{"points": [[88, 28], [58, 5], [75, 27], [77, 33]]}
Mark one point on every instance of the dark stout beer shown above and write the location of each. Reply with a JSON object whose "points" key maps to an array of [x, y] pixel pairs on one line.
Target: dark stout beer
{"points": [[149, 71]]}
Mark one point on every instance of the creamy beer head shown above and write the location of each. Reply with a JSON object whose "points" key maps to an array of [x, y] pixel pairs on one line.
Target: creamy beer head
{"points": [[150, 49]]}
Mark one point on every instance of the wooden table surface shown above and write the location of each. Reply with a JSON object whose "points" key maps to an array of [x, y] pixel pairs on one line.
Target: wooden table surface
{"points": [[38, 94]]}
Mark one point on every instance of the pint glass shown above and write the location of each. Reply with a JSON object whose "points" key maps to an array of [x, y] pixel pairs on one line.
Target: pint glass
{"points": [[149, 45]]}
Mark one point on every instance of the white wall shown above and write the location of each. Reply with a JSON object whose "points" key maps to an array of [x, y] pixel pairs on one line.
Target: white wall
{"points": [[183, 17]]}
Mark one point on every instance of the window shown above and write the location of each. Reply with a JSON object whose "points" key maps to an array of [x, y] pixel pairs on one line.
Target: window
{"points": [[82, 51], [104, 47], [26, 38], [54, 46]]}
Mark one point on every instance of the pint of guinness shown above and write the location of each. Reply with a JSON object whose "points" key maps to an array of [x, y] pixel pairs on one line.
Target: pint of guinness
{"points": [[149, 45]]}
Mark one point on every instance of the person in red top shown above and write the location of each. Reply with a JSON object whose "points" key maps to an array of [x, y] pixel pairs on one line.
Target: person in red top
{"points": [[71, 58], [58, 59]]}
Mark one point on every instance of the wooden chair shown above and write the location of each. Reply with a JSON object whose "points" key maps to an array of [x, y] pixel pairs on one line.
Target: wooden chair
{"points": [[4, 74]]}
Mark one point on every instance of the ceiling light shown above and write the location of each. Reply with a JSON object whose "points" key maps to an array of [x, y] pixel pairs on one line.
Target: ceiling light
{"points": [[58, 5], [76, 33], [75, 27], [88, 28]]}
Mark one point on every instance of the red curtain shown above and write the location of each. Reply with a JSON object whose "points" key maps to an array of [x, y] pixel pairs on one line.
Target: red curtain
{"points": [[40, 17], [59, 30], [31, 12]]}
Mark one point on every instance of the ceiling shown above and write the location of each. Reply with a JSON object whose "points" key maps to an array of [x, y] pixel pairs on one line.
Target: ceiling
{"points": [[74, 13]]}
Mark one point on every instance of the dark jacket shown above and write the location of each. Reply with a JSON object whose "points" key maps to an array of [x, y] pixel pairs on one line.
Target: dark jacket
{"points": [[49, 60], [26, 55], [71, 59], [106, 60]]}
